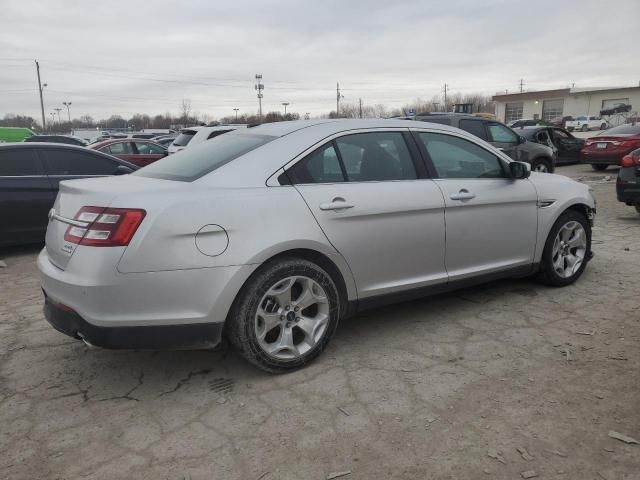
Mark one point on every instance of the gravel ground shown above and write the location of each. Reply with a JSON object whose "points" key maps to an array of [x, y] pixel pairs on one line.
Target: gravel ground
{"points": [[508, 380]]}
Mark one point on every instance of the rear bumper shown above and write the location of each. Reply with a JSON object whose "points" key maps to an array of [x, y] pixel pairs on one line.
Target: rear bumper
{"points": [[67, 321], [595, 159]]}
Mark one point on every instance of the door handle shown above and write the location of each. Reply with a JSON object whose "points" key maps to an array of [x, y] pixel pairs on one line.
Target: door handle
{"points": [[463, 194], [337, 203]]}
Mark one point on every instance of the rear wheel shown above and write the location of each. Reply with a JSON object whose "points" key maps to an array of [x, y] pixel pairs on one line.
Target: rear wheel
{"points": [[541, 165], [566, 250], [285, 315], [603, 126], [599, 168]]}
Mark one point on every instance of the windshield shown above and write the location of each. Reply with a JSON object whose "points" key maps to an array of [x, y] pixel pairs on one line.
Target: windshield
{"points": [[627, 129], [184, 138], [194, 162]]}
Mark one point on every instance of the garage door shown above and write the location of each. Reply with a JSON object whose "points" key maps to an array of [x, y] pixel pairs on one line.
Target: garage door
{"points": [[552, 109], [513, 111], [606, 104]]}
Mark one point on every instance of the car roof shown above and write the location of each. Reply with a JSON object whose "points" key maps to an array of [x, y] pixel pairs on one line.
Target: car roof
{"points": [[120, 140], [63, 146]]}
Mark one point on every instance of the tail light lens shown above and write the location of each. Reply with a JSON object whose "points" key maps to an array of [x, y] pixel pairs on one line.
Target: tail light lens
{"points": [[630, 161], [107, 227]]}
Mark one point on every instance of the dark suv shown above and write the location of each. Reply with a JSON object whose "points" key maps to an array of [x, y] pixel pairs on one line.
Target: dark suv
{"points": [[540, 157]]}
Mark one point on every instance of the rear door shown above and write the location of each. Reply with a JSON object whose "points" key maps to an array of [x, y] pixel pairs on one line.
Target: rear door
{"points": [[26, 195], [375, 204], [491, 219], [148, 152]]}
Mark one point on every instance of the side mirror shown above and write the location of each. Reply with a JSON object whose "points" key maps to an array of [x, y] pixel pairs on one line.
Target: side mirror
{"points": [[123, 170], [521, 139], [519, 170]]}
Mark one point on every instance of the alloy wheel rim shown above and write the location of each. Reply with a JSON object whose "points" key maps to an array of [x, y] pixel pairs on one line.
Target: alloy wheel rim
{"points": [[292, 317], [569, 249]]}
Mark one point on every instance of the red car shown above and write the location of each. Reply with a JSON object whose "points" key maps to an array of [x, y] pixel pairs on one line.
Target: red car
{"points": [[610, 146], [135, 150]]}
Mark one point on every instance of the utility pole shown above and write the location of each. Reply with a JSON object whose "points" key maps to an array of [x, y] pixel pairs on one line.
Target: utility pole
{"points": [[58, 110], [521, 85], [40, 87], [338, 97], [360, 102], [259, 87], [285, 107], [236, 110], [445, 96], [68, 104], [53, 120]]}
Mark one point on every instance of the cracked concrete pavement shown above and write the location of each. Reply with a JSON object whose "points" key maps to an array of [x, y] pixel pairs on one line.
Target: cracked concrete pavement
{"points": [[454, 387]]}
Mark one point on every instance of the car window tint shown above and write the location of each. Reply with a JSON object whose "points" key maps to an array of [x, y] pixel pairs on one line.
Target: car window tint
{"points": [[455, 157], [215, 133], [501, 134], [145, 148], [18, 162], [194, 162], [320, 166], [69, 162], [184, 138], [120, 148], [379, 156], [474, 127]]}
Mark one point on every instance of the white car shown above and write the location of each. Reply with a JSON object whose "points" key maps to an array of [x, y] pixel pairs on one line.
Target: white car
{"points": [[195, 135], [585, 123], [271, 234]]}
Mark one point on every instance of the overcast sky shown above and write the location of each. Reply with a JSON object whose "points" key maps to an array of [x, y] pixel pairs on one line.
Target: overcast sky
{"points": [[120, 57]]}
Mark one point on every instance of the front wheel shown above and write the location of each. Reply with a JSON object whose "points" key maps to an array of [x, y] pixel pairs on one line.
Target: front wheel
{"points": [[585, 128], [541, 165], [567, 250], [603, 126], [599, 168], [285, 315]]}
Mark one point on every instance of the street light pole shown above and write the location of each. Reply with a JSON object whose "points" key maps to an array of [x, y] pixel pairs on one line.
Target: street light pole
{"points": [[285, 107], [236, 110], [58, 110], [53, 120], [68, 104]]}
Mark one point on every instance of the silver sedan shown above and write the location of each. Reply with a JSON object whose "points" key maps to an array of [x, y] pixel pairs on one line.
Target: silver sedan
{"points": [[271, 234]]}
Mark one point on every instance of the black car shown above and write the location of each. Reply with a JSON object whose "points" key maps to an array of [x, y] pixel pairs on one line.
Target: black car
{"points": [[628, 183], [67, 139], [29, 178], [567, 146], [541, 157], [527, 122]]}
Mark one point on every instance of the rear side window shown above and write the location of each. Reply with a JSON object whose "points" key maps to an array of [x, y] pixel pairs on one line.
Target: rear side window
{"points": [[501, 134], [122, 148], [18, 162], [474, 127], [69, 162], [183, 139], [215, 133], [320, 166], [145, 148], [194, 162], [455, 157]]}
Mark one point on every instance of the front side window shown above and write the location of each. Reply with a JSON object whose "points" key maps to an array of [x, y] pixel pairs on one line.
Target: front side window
{"points": [[16, 163], [375, 157], [500, 134], [455, 157], [560, 134], [121, 148], [68, 162]]}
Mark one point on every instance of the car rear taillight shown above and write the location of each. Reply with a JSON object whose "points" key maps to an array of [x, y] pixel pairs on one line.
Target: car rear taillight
{"points": [[106, 227], [630, 161]]}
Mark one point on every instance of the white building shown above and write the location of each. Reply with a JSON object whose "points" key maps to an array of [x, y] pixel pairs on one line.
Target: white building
{"points": [[564, 102]]}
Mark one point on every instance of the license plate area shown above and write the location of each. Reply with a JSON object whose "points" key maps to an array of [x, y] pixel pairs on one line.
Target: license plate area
{"points": [[601, 145]]}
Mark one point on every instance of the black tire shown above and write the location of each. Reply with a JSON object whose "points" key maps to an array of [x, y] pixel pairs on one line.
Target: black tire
{"points": [[599, 168], [637, 208], [603, 126], [240, 328], [537, 163], [585, 128], [547, 273]]}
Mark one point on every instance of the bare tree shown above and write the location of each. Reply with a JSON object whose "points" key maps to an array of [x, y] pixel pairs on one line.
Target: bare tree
{"points": [[185, 108]]}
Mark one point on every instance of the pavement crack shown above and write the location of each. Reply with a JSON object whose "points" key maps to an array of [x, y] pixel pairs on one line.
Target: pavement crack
{"points": [[185, 380]]}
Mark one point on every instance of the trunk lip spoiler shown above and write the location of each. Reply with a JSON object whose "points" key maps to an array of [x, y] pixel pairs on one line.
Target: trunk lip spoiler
{"points": [[76, 223]]}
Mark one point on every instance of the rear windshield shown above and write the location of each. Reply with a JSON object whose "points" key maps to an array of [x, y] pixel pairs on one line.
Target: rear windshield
{"points": [[196, 161], [184, 138], [627, 129]]}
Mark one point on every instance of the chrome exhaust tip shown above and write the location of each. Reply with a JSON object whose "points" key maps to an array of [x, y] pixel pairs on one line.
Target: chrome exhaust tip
{"points": [[85, 341]]}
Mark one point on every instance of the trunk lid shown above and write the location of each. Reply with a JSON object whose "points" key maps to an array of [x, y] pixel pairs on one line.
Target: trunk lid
{"points": [[98, 192]]}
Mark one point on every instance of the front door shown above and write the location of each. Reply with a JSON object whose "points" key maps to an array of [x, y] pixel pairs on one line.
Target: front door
{"points": [[147, 152], [568, 146], [491, 219], [371, 199]]}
